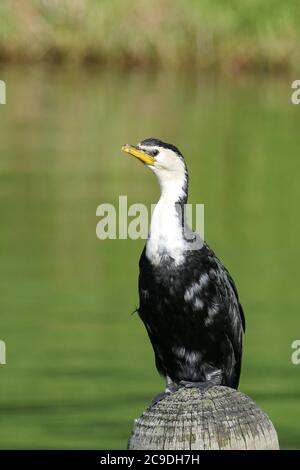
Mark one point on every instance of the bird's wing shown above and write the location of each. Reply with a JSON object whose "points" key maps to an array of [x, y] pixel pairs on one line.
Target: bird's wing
{"points": [[234, 315], [214, 292], [240, 308]]}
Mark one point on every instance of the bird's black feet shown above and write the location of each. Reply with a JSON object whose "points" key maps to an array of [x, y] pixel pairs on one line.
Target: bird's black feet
{"points": [[202, 386], [159, 397], [172, 387], [212, 377]]}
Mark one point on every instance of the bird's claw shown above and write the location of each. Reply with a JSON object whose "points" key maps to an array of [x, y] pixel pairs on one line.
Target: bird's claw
{"points": [[203, 386], [171, 388], [159, 397]]}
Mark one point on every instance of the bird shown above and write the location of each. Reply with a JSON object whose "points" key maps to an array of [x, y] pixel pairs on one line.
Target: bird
{"points": [[188, 301]]}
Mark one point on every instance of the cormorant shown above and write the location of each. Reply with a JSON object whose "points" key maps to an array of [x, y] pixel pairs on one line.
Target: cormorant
{"points": [[188, 301]]}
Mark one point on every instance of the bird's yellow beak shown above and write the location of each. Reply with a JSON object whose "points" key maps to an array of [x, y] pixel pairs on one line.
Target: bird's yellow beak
{"points": [[140, 154]]}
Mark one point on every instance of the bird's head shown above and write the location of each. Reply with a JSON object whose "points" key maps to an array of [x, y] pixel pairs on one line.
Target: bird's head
{"points": [[166, 161]]}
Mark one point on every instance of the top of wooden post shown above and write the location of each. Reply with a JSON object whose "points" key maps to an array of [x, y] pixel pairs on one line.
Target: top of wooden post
{"points": [[219, 418]]}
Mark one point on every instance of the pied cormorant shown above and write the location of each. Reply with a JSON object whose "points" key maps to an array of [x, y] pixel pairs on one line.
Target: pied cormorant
{"points": [[188, 301]]}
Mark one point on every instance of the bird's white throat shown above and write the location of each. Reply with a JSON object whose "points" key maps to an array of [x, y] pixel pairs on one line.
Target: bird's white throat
{"points": [[166, 233]]}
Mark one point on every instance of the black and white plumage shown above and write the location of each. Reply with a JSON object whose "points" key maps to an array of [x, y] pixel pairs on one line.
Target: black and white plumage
{"points": [[188, 301]]}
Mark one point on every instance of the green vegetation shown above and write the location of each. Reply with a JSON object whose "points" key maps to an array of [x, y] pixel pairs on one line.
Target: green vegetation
{"points": [[79, 366], [231, 35]]}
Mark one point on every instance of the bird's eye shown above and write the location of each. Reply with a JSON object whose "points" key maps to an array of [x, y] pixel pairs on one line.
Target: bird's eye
{"points": [[154, 153]]}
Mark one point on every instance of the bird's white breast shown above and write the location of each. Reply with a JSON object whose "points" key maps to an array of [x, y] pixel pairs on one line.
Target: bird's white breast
{"points": [[166, 237]]}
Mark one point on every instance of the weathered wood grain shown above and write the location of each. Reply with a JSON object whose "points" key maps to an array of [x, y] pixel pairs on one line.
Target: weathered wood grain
{"points": [[219, 418]]}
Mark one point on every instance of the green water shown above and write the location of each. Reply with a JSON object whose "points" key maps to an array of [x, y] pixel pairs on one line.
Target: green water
{"points": [[79, 365]]}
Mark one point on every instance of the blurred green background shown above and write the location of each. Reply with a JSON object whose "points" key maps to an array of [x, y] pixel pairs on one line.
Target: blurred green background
{"points": [[227, 35], [79, 365]]}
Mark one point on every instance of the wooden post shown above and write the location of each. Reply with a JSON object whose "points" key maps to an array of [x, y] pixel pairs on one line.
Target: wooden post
{"points": [[219, 418]]}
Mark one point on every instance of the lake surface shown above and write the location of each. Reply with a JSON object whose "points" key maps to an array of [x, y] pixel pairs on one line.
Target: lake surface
{"points": [[79, 365]]}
